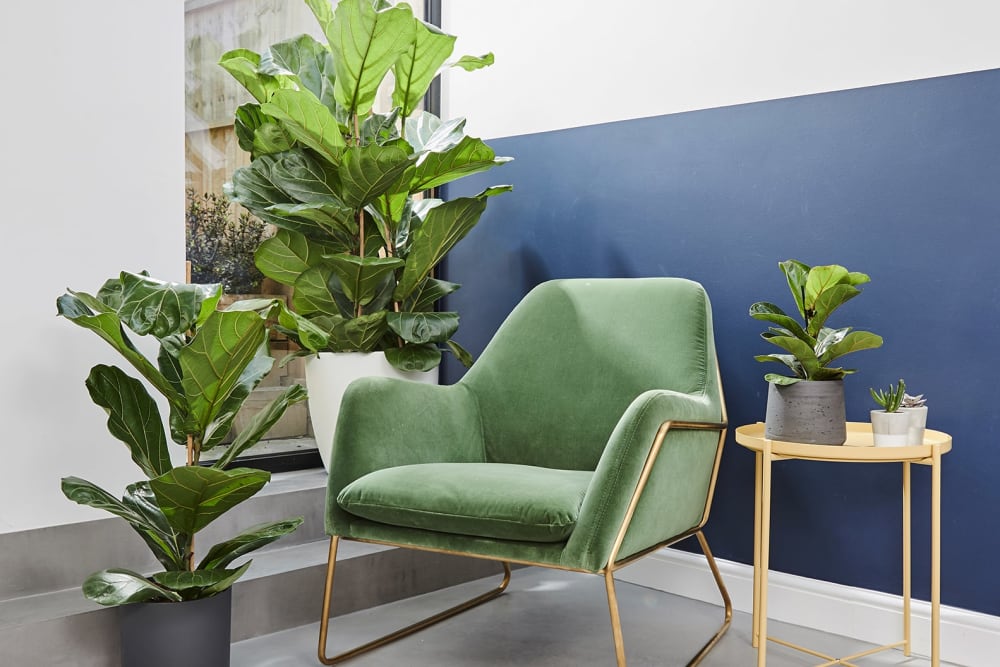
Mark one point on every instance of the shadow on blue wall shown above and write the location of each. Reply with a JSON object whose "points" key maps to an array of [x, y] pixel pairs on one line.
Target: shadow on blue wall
{"points": [[899, 181]]}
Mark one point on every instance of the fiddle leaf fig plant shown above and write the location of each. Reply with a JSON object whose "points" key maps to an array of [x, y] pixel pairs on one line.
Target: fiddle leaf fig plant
{"points": [[810, 346], [207, 364], [344, 184]]}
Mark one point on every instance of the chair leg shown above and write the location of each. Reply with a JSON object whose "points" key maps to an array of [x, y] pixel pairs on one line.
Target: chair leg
{"points": [[727, 603], [616, 625], [398, 634]]}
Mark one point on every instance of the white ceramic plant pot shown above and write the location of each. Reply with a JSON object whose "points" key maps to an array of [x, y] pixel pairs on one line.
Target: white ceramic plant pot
{"points": [[918, 422], [891, 429], [327, 378]]}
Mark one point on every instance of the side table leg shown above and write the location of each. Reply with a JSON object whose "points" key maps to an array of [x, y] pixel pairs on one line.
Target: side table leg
{"points": [[936, 558], [765, 548], [755, 634], [907, 573]]}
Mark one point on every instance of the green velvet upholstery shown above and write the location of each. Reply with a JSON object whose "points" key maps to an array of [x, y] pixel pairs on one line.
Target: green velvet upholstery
{"points": [[575, 384], [500, 500]]}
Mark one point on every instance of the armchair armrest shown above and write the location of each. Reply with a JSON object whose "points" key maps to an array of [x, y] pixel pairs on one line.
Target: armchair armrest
{"points": [[386, 422], [676, 491]]}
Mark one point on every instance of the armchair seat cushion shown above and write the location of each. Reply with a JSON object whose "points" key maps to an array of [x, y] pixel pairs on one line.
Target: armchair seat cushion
{"points": [[494, 500]]}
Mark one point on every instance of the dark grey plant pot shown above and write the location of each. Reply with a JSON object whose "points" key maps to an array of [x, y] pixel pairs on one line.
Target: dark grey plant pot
{"points": [[811, 412], [168, 634]]}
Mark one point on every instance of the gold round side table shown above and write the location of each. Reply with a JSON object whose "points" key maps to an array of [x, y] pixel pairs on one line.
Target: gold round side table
{"points": [[857, 449]]}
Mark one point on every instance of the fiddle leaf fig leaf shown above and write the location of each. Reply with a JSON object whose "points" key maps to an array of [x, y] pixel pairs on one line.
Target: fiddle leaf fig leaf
{"points": [[192, 497], [134, 509], [207, 582], [852, 342], [471, 63], [463, 355], [215, 359], [261, 423], [117, 586], [160, 308], [368, 171], [222, 554], [469, 156], [423, 327], [243, 64], [443, 226], [428, 293], [133, 417], [109, 327], [287, 255], [796, 274], [802, 352], [821, 279], [418, 65], [828, 301], [366, 42], [251, 376], [156, 532], [783, 380], [308, 120], [307, 60], [769, 312], [305, 178], [412, 357], [364, 332], [362, 277], [313, 294]]}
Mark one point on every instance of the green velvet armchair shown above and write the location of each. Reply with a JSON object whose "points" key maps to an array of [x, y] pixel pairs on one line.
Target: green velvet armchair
{"points": [[587, 435]]}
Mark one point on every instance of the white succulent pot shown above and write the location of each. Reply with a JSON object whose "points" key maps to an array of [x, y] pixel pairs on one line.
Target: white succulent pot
{"points": [[891, 429], [918, 422], [327, 377]]}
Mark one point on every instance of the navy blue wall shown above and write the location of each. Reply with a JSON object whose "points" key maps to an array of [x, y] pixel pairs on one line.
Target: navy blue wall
{"points": [[899, 181]]}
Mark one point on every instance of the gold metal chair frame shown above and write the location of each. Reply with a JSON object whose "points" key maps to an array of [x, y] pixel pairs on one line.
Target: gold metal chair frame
{"points": [[608, 571]]}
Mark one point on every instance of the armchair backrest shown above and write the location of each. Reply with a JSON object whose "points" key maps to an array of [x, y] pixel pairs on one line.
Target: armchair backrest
{"points": [[572, 356]]}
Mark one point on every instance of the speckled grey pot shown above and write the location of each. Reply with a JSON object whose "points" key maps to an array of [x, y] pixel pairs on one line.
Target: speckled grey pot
{"points": [[810, 412]]}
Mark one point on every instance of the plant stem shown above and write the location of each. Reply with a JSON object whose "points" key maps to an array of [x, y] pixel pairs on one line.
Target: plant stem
{"points": [[191, 460]]}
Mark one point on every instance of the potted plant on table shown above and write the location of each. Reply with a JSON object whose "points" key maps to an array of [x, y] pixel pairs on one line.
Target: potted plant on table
{"points": [[916, 408], [343, 184], [890, 426], [808, 405], [207, 365]]}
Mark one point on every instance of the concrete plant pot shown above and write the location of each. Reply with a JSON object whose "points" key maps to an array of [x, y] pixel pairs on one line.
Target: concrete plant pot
{"points": [[808, 411], [892, 429]]}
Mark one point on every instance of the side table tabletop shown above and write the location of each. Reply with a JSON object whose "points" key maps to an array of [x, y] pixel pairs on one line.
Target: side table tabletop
{"points": [[858, 449]]}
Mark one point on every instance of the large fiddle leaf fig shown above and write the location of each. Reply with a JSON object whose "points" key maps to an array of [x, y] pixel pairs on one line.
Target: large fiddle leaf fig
{"points": [[348, 186]]}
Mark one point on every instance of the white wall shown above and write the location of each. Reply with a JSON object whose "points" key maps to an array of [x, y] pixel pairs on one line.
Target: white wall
{"points": [[92, 181], [568, 63]]}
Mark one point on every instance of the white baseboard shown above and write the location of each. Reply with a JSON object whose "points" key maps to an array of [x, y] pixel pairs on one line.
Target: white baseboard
{"points": [[968, 638]]}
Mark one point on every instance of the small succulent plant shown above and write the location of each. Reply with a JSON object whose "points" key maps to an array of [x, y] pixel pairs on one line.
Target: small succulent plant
{"points": [[917, 401], [892, 398]]}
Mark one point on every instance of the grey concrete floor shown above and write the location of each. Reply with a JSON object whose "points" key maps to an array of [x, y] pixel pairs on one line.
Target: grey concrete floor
{"points": [[551, 619]]}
